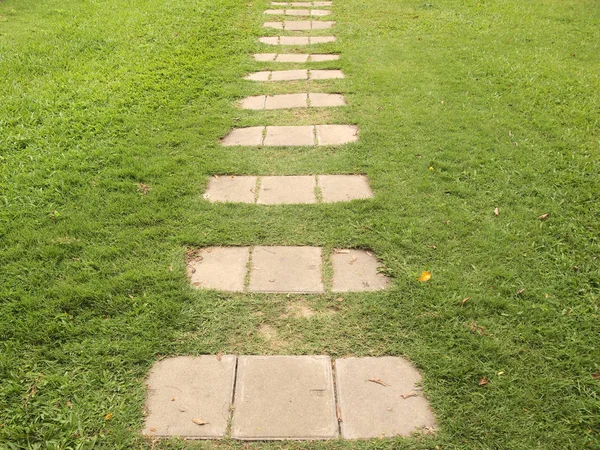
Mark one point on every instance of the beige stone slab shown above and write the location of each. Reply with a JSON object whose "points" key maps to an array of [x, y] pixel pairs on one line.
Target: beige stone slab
{"points": [[278, 190], [336, 134], [271, 40], [319, 58], [322, 24], [259, 76], [284, 397], [284, 101], [290, 136], [322, 39], [326, 100], [265, 56], [289, 75], [292, 57], [220, 268], [294, 40], [356, 271], [325, 74], [254, 102], [275, 12], [275, 25], [322, 3], [301, 4], [320, 12], [297, 12], [229, 188], [251, 136], [184, 389], [373, 410], [286, 269], [344, 188], [297, 25]]}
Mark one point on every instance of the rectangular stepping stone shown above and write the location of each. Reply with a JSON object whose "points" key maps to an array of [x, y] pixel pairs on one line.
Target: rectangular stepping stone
{"points": [[343, 188], [286, 269], [291, 135], [297, 12], [299, 189], [356, 271], [301, 4], [292, 75], [294, 57], [284, 397], [296, 40], [185, 392], [299, 25], [287, 190], [231, 189], [336, 134], [284, 101], [380, 397], [220, 268]]}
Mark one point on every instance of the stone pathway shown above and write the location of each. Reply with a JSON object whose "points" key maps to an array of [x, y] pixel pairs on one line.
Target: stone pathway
{"points": [[291, 136], [292, 75], [294, 57], [284, 270], [285, 397], [279, 190], [284, 101]]}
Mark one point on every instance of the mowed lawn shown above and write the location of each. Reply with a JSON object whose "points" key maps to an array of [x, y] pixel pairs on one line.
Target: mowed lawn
{"points": [[110, 118]]}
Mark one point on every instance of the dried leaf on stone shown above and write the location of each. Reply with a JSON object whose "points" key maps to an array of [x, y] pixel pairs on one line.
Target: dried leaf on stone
{"points": [[219, 355], [544, 216], [483, 381], [199, 421], [342, 252], [152, 430], [425, 276], [353, 260], [409, 395], [339, 414], [378, 381]]}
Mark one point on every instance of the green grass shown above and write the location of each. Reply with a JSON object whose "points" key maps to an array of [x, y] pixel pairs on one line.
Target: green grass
{"points": [[500, 98]]}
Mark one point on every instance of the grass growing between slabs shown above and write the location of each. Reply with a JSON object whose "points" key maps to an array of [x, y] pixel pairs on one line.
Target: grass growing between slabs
{"points": [[109, 125]]}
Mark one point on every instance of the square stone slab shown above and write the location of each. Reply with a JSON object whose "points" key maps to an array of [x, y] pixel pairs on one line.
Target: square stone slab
{"points": [[186, 388], [321, 25], [290, 135], [287, 190], [343, 188], [286, 269], [326, 100], [294, 40], [259, 76], [336, 134], [275, 25], [284, 101], [291, 57], [244, 136], [319, 58], [265, 56], [255, 102], [289, 75], [322, 39], [297, 12], [284, 397], [270, 40], [372, 410], [326, 74], [229, 188], [356, 271], [222, 268]]}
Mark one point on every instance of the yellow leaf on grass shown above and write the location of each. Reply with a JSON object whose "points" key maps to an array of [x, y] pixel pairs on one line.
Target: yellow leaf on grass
{"points": [[108, 416], [425, 276]]}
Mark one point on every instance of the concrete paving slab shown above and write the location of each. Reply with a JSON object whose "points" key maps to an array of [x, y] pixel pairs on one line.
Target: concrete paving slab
{"points": [[319, 58], [289, 75], [391, 405], [284, 397], [297, 25], [255, 102], [274, 12], [336, 134], [292, 57], [265, 56], [286, 269], [229, 188], [356, 271], [321, 24], [290, 136], [322, 3], [287, 190], [275, 25], [294, 40], [320, 12], [259, 76], [251, 136], [325, 74], [301, 4], [271, 40], [184, 389], [326, 100], [322, 39], [343, 188], [284, 101], [297, 12], [221, 268]]}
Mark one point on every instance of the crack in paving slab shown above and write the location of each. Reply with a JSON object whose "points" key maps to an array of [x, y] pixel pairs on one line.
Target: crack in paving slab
{"points": [[284, 269], [285, 397]]}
